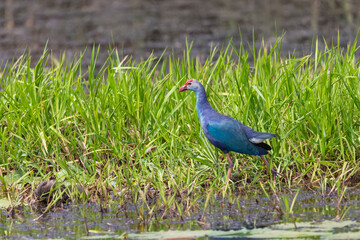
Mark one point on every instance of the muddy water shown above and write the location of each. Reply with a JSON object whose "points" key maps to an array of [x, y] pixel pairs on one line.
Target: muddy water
{"points": [[141, 27], [251, 216]]}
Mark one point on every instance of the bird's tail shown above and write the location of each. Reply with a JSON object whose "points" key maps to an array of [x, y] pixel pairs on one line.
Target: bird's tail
{"points": [[263, 145], [261, 137]]}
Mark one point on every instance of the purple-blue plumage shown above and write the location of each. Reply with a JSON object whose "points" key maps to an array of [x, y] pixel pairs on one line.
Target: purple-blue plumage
{"points": [[225, 132]]}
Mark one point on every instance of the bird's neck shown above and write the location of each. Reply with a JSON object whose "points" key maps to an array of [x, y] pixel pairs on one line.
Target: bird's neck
{"points": [[201, 100]]}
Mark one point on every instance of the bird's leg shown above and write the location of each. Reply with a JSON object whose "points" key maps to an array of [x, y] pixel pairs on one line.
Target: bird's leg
{"points": [[230, 166], [275, 173], [264, 160]]}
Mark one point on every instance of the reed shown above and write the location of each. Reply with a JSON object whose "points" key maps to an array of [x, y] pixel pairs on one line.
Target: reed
{"points": [[125, 128]]}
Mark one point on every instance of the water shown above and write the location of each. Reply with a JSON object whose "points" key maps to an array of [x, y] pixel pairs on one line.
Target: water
{"points": [[250, 216], [141, 27]]}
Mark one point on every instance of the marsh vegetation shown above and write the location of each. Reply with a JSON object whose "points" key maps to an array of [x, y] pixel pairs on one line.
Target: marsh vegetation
{"points": [[123, 133]]}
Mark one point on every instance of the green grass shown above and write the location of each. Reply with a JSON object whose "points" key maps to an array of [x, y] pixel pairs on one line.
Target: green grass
{"points": [[125, 128]]}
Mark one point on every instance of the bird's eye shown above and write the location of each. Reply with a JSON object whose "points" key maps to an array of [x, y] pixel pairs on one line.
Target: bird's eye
{"points": [[189, 84]]}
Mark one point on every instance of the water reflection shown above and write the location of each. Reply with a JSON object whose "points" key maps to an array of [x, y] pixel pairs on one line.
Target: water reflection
{"points": [[247, 212], [140, 27]]}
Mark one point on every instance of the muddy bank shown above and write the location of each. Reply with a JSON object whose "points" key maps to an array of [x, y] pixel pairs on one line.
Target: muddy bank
{"points": [[241, 213]]}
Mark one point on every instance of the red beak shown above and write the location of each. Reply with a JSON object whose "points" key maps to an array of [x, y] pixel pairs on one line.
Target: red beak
{"points": [[183, 88]]}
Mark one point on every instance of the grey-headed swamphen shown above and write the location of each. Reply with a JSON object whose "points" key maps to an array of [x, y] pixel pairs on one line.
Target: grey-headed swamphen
{"points": [[225, 132]]}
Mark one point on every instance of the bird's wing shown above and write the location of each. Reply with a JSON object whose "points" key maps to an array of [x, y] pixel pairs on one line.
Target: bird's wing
{"points": [[229, 135], [227, 132]]}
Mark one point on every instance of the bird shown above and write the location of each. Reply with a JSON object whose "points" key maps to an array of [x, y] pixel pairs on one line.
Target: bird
{"points": [[225, 132]]}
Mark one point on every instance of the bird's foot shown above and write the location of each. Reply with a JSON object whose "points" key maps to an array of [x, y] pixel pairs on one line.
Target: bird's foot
{"points": [[276, 173]]}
